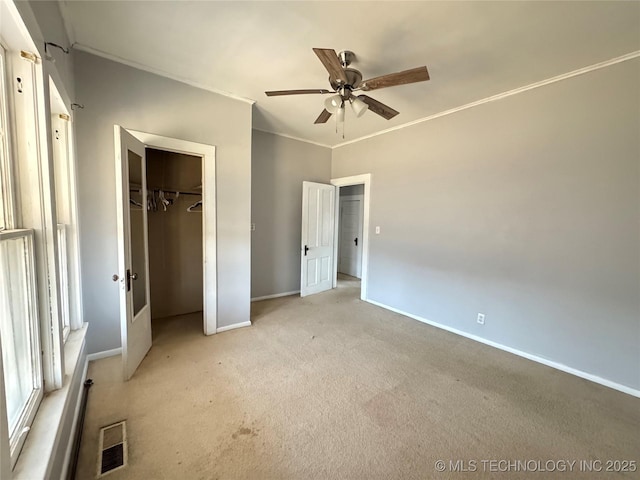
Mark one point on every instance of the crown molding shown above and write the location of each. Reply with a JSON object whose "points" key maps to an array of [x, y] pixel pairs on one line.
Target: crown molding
{"points": [[139, 66], [500, 96]]}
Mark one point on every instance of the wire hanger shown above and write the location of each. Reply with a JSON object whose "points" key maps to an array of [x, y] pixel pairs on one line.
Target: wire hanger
{"points": [[192, 208], [164, 201]]}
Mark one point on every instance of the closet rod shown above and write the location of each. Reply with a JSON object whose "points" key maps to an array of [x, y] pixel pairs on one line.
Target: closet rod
{"points": [[166, 191], [175, 191]]}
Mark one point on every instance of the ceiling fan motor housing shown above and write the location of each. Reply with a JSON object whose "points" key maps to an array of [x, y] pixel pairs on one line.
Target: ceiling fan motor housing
{"points": [[354, 77]]}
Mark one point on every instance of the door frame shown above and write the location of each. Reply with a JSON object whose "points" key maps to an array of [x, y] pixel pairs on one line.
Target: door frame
{"points": [[360, 198], [209, 230], [365, 179]]}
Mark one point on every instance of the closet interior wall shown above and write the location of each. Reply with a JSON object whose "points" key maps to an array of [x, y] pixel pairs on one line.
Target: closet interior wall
{"points": [[175, 235]]}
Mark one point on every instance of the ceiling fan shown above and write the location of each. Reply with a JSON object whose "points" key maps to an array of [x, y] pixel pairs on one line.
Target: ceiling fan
{"points": [[345, 81]]}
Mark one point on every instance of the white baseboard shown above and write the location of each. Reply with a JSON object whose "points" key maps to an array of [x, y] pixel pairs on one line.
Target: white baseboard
{"points": [[529, 356], [233, 327], [104, 354], [275, 295]]}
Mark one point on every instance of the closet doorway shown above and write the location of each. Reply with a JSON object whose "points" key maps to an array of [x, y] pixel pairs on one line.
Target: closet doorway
{"points": [[351, 236], [133, 275], [349, 221], [175, 240]]}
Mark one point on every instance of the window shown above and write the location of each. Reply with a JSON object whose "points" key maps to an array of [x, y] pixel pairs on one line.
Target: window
{"points": [[19, 319], [65, 212], [39, 265], [40, 284], [20, 338]]}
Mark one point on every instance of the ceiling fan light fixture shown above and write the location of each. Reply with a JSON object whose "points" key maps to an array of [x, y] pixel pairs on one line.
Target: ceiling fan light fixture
{"points": [[333, 103], [358, 106], [340, 114]]}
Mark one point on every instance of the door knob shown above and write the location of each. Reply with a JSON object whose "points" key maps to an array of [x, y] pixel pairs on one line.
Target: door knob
{"points": [[115, 277], [134, 276]]}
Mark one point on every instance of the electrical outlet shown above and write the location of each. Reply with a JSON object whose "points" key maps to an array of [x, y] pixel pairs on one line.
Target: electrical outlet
{"points": [[481, 318]]}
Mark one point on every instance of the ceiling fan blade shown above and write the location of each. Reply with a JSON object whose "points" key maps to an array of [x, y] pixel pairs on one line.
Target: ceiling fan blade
{"points": [[274, 93], [419, 74], [380, 108], [323, 117], [331, 62]]}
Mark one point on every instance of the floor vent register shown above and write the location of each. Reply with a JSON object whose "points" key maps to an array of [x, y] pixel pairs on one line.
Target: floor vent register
{"points": [[112, 448]]}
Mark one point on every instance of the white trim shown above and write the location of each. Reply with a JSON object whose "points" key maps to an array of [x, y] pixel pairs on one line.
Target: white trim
{"points": [[544, 361], [500, 96], [275, 295], [293, 138], [44, 442], [104, 354], [155, 71], [234, 326], [209, 226], [365, 179]]}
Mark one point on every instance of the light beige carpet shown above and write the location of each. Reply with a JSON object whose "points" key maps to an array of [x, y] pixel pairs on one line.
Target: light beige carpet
{"points": [[329, 387]]}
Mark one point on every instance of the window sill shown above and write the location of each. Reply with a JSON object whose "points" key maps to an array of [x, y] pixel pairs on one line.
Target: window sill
{"points": [[47, 447]]}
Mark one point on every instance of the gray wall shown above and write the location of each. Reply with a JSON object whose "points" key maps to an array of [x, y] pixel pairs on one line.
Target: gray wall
{"points": [[47, 14], [525, 209], [114, 93], [279, 166]]}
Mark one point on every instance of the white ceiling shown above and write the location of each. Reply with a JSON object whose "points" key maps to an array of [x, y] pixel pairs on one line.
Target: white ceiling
{"points": [[472, 49]]}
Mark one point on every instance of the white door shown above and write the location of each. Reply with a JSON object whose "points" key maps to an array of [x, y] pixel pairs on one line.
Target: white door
{"points": [[133, 253], [350, 248], [317, 237]]}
